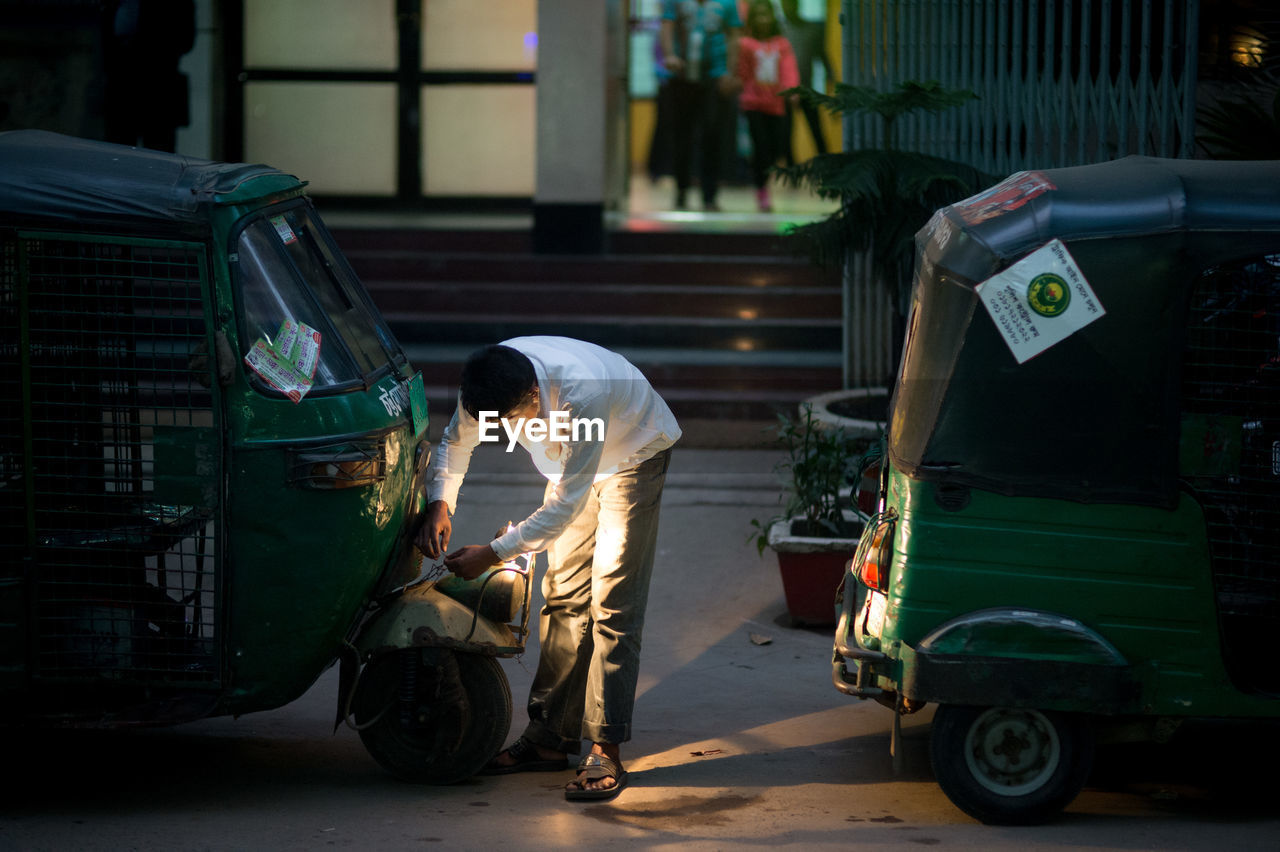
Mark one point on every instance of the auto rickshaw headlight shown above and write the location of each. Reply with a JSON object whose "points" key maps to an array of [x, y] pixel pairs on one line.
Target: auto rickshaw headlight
{"points": [[354, 464], [345, 474]]}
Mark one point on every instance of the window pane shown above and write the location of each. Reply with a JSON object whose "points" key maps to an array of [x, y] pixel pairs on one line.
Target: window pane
{"points": [[338, 136], [328, 34], [336, 289], [270, 294], [478, 140], [480, 35]]}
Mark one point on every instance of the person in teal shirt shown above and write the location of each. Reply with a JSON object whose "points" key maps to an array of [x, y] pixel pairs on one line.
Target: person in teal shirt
{"points": [[700, 49]]}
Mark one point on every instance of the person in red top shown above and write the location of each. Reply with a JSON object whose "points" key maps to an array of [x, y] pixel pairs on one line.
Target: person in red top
{"points": [[767, 66]]}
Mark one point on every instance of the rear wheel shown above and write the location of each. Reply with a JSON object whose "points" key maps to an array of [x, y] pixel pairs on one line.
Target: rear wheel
{"points": [[1009, 765], [433, 716]]}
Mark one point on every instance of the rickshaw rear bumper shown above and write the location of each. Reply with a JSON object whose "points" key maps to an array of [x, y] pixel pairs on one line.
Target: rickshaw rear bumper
{"points": [[981, 681], [862, 682], [1064, 685], [857, 683], [1017, 657]]}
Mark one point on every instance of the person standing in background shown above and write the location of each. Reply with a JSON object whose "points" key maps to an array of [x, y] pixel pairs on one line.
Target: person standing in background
{"points": [[767, 66], [809, 42], [700, 48]]}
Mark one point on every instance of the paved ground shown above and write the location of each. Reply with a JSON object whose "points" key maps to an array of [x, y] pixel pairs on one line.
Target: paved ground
{"points": [[740, 743]]}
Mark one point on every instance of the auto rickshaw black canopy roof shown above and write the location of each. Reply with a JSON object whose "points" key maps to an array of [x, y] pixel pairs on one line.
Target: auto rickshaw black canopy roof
{"points": [[49, 176], [1097, 416]]}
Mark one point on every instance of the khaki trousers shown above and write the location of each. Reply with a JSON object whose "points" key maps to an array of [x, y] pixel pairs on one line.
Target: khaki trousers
{"points": [[596, 588]]}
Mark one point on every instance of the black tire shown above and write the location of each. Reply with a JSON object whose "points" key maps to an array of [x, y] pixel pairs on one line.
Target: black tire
{"points": [[438, 743], [1007, 765]]}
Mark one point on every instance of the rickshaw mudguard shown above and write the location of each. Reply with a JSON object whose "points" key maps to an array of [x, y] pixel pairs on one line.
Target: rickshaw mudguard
{"points": [[1009, 631], [985, 658], [423, 616]]}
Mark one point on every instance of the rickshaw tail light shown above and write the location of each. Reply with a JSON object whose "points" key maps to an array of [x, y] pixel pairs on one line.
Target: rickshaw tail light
{"points": [[874, 571]]}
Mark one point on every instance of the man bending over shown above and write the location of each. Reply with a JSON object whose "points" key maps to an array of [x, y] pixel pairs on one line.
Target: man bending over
{"points": [[602, 437]]}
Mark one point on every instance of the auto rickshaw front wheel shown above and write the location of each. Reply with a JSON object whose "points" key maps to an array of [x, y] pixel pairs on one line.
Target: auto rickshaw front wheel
{"points": [[432, 716], [1010, 765]]}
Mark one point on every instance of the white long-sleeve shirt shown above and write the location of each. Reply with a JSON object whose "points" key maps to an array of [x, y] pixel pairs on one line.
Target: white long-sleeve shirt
{"points": [[597, 390]]}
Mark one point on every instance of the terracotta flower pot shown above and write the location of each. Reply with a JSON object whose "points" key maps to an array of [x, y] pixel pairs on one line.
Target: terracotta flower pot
{"points": [[811, 570]]}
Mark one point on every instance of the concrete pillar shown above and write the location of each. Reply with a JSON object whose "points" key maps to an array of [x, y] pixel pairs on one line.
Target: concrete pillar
{"points": [[569, 195]]}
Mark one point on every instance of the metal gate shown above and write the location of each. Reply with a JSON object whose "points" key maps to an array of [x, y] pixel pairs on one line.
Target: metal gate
{"points": [[1059, 83], [110, 462]]}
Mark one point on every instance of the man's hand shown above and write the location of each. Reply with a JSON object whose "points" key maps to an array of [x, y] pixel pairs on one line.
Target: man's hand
{"points": [[433, 534], [471, 561]]}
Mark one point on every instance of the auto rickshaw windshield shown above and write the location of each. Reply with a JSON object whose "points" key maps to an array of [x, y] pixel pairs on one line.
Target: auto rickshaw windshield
{"points": [[289, 270]]}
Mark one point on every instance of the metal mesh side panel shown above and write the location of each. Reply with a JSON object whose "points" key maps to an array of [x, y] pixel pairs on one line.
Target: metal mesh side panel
{"points": [[1231, 430], [122, 459], [13, 534]]}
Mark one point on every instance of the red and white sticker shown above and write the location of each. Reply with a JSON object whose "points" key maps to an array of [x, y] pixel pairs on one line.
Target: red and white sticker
{"points": [[287, 236], [299, 344], [289, 365], [1010, 194], [277, 372]]}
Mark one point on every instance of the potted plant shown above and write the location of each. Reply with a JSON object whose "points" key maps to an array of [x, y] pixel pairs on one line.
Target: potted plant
{"points": [[817, 531]]}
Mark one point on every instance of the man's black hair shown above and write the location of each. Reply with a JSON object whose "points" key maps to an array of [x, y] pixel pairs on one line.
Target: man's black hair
{"points": [[496, 378]]}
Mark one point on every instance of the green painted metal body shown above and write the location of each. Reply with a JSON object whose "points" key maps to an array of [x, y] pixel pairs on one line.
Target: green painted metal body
{"points": [[1090, 528], [1134, 579], [303, 563], [300, 565]]}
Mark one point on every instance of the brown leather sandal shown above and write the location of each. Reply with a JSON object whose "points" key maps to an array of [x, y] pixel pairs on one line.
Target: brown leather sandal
{"points": [[596, 767]]}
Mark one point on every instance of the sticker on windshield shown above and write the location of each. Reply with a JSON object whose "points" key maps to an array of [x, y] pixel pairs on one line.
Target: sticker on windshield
{"points": [[288, 365], [287, 236], [304, 351], [1040, 301]]}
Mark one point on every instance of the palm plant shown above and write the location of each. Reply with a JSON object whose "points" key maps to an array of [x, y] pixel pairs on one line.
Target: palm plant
{"points": [[886, 194]]}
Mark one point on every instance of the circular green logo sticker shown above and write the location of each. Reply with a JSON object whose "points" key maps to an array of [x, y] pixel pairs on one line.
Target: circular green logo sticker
{"points": [[1048, 294]]}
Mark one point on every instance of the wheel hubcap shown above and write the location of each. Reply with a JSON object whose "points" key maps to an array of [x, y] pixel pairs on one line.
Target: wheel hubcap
{"points": [[1012, 752]]}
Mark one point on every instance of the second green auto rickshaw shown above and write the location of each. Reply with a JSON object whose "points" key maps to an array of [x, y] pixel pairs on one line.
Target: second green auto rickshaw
{"points": [[1077, 532]]}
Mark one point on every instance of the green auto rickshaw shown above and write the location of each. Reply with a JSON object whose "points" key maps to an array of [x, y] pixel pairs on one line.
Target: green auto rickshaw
{"points": [[211, 453], [1077, 527]]}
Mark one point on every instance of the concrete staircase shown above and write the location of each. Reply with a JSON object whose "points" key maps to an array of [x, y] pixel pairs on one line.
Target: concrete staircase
{"points": [[725, 326]]}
